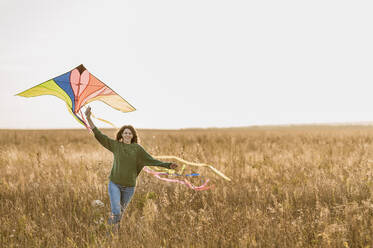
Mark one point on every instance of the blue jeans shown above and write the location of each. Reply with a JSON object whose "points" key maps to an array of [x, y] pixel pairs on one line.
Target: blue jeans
{"points": [[120, 196]]}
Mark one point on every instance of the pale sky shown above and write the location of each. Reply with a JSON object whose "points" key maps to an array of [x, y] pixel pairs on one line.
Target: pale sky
{"points": [[195, 63]]}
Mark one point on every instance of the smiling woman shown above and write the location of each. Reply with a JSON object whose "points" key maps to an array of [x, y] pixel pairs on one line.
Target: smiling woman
{"points": [[129, 159], [127, 134]]}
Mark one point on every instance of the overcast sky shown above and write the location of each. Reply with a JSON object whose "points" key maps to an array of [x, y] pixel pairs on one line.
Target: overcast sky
{"points": [[192, 63]]}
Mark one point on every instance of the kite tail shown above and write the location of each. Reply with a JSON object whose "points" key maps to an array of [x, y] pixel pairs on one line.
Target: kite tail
{"points": [[185, 182], [108, 122], [84, 121], [78, 118], [103, 120], [195, 164]]}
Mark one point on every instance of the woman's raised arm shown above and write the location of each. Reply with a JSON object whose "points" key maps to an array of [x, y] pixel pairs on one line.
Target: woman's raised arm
{"points": [[103, 139]]}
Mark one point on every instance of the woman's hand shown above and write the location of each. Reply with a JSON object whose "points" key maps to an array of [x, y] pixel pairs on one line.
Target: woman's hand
{"points": [[173, 166], [88, 112]]}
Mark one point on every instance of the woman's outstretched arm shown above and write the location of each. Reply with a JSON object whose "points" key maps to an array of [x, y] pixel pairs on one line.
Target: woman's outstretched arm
{"points": [[145, 159]]}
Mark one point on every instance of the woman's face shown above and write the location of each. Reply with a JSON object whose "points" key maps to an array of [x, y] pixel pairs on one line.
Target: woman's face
{"points": [[127, 136]]}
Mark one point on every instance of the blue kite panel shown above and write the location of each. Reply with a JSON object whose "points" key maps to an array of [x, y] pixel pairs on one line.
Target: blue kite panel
{"points": [[64, 82]]}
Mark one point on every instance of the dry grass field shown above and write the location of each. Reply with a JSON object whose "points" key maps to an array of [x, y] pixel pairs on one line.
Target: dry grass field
{"points": [[305, 186]]}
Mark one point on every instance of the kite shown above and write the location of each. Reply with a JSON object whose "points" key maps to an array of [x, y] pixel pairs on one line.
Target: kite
{"points": [[77, 88]]}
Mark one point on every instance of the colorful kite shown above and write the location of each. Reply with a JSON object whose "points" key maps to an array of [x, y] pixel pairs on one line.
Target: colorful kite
{"points": [[77, 88]]}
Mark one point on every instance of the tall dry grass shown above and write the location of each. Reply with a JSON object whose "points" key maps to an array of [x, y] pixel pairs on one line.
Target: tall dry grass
{"points": [[292, 187]]}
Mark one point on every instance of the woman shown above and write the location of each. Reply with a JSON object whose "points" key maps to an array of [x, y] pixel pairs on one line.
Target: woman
{"points": [[129, 159]]}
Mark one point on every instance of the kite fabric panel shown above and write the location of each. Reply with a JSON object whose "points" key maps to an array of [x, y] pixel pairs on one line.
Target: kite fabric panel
{"points": [[77, 88]]}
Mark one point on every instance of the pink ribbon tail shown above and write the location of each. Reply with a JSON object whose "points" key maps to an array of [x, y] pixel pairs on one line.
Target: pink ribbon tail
{"points": [[185, 182]]}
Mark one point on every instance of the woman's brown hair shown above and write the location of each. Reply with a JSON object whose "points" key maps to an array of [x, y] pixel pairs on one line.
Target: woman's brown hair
{"points": [[134, 139]]}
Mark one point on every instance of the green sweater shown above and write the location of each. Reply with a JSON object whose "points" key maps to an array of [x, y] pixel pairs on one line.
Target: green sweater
{"points": [[129, 159]]}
